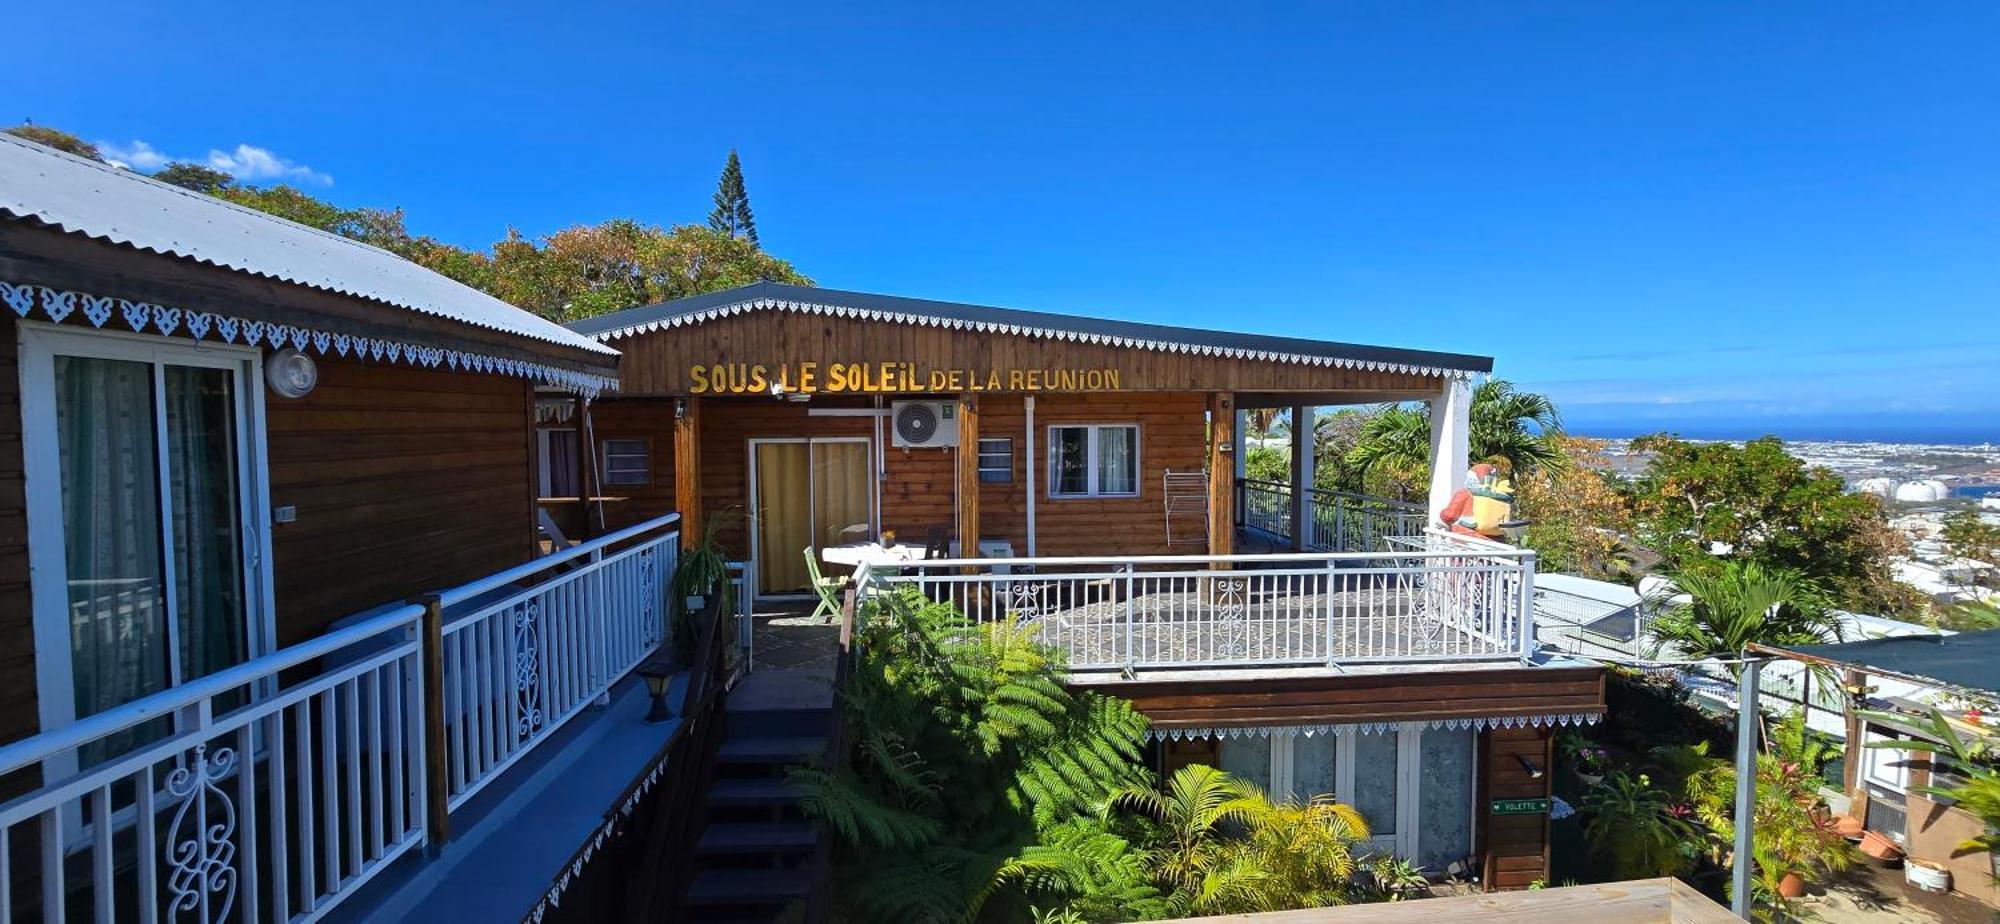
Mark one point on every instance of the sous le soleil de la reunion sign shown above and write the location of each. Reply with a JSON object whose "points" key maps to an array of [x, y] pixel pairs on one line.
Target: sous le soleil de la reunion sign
{"points": [[890, 377]]}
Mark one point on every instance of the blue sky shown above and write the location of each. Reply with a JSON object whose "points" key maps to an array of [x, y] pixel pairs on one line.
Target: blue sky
{"points": [[1776, 217]]}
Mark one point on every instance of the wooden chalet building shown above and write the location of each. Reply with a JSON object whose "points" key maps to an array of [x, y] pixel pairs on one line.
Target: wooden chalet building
{"points": [[275, 609], [1084, 477]]}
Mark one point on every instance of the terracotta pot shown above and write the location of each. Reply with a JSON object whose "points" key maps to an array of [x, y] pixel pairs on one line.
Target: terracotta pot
{"points": [[1792, 886], [1880, 848], [1849, 827]]}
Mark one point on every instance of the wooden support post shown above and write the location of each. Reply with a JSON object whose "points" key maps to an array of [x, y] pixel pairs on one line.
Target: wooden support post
{"points": [[586, 470], [1302, 477], [437, 785], [968, 476], [1221, 473], [687, 468]]}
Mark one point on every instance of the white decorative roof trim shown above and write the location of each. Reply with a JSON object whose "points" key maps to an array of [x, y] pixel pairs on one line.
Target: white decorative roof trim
{"points": [[991, 327], [145, 317], [1475, 723]]}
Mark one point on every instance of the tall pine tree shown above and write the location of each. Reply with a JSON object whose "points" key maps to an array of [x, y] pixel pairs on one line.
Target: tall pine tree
{"points": [[732, 204]]}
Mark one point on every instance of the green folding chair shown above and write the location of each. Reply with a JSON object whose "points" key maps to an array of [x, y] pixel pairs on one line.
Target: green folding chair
{"points": [[828, 589]]}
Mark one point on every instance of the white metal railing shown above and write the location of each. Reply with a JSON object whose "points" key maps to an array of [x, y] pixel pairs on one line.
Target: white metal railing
{"points": [[528, 657], [1443, 600], [273, 789], [1338, 521], [254, 799]]}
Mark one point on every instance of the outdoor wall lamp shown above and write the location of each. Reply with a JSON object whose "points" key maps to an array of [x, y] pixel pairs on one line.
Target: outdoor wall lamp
{"points": [[680, 408], [656, 673], [1534, 772]]}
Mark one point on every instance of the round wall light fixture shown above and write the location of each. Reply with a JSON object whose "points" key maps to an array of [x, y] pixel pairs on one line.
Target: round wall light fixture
{"points": [[291, 374]]}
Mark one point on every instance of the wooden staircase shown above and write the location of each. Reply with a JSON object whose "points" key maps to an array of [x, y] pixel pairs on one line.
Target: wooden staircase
{"points": [[757, 856]]}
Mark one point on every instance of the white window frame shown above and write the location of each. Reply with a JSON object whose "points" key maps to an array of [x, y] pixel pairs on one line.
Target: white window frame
{"points": [[1091, 490], [1005, 471], [1409, 781], [39, 344], [605, 455], [1887, 768]]}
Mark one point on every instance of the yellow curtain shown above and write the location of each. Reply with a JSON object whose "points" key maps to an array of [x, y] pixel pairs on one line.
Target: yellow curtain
{"points": [[840, 493], [784, 517]]}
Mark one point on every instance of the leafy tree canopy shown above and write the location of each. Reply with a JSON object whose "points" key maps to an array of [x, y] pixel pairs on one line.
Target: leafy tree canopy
{"points": [[194, 176], [1578, 522], [1758, 503], [58, 139], [574, 273]]}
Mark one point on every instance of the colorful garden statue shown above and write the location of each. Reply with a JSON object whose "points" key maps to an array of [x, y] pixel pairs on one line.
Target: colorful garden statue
{"points": [[1483, 505]]}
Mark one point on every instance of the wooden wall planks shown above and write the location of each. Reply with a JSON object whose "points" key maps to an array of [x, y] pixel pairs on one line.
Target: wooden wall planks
{"points": [[657, 363], [404, 481], [921, 485], [18, 715]]}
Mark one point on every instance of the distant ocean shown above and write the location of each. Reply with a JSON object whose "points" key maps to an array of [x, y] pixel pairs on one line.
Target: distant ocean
{"points": [[1976, 490], [1861, 430]]}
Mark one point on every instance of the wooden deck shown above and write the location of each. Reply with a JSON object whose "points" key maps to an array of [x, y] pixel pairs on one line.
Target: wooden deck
{"points": [[1640, 901]]}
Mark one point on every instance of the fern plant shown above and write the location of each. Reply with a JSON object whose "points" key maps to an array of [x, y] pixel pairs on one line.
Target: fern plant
{"points": [[966, 747]]}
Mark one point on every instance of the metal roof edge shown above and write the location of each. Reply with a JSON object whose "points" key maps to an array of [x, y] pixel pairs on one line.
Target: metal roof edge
{"points": [[767, 296]]}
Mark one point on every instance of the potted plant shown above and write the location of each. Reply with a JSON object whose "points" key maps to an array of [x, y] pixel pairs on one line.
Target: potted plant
{"points": [[703, 570], [1588, 761], [1398, 878]]}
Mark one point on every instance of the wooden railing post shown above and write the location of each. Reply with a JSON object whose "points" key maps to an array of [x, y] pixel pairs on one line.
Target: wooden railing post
{"points": [[437, 791]]}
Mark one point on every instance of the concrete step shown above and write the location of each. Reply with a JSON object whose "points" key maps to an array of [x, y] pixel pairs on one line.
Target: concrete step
{"points": [[742, 792], [716, 888], [781, 751], [780, 722], [757, 837]]}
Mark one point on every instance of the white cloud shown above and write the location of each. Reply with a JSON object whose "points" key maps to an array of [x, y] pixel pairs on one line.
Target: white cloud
{"points": [[249, 162], [135, 156], [245, 162]]}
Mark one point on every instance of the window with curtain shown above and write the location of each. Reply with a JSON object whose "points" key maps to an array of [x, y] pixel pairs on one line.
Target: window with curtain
{"points": [[1096, 460], [559, 463], [1375, 780], [1248, 758], [152, 527], [1313, 765], [1444, 797]]}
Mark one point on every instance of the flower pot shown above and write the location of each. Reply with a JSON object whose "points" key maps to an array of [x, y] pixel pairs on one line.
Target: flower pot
{"points": [[1590, 779], [1792, 885], [1929, 877], [1879, 848], [1849, 827]]}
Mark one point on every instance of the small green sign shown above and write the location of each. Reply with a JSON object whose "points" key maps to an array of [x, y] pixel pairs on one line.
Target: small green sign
{"points": [[1520, 806]]}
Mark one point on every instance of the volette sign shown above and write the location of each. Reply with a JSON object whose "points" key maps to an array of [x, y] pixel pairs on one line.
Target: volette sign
{"points": [[886, 378]]}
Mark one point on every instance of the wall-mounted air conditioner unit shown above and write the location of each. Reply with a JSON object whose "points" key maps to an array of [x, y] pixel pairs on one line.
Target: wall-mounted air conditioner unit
{"points": [[924, 424]]}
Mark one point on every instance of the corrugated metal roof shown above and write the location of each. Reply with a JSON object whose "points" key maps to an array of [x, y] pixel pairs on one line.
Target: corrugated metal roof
{"points": [[778, 296], [100, 201]]}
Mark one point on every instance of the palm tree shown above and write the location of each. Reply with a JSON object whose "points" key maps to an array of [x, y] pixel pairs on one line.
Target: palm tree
{"points": [[1738, 604], [1505, 423], [1222, 846]]}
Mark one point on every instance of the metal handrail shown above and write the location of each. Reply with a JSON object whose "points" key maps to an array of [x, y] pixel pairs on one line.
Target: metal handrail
{"points": [[167, 702], [1389, 502], [536, 566]]}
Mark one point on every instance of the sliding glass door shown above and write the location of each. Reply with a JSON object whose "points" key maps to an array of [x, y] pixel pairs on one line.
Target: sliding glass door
{"points": [[1414, 784], [806, 494], [142, 466]]}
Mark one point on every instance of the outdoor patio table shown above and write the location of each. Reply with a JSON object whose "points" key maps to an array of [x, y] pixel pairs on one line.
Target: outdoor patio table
{"points": [[871, 553]]}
